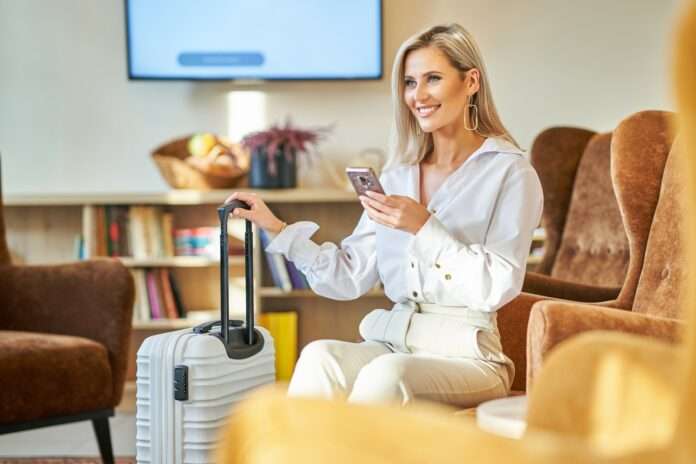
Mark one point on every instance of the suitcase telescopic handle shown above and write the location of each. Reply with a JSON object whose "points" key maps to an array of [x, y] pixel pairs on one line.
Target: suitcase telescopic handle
{"points": [[224, 212]]}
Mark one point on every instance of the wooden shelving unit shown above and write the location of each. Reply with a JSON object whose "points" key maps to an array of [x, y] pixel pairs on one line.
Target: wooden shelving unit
{"points": [[181, 197], [31, 219]]}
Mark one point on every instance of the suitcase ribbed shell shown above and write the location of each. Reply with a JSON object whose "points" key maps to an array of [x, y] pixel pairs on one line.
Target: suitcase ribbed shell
{"points": [[185, 432]]}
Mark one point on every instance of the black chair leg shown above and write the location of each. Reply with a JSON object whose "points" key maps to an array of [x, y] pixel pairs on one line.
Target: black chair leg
{"points": [[103, 433]]}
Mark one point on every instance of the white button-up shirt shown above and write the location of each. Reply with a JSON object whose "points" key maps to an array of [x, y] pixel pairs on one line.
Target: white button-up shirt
{"points": [[471, 252]]}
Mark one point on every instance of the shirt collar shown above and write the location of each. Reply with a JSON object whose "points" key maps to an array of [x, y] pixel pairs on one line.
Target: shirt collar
{"points": [[497, 145], [490, 145]]}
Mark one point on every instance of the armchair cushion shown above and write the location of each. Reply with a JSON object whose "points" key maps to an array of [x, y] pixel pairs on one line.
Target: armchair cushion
{"points": [[552, 322], [51, 375], [594, 246], [541, 284], [92, 300]]}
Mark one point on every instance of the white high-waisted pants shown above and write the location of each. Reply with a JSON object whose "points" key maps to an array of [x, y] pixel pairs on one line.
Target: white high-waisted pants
{"points": [[371, 372]]}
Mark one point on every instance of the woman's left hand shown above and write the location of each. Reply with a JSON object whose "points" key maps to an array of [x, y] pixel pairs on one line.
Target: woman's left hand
{"points": [[395, 211]]}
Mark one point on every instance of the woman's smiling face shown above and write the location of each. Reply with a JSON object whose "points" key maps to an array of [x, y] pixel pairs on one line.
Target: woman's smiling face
{"points": [[434, 90]]}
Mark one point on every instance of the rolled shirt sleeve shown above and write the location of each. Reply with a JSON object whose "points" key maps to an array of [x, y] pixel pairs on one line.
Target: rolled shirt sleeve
{"points": [[342, 272], [482, 276]]}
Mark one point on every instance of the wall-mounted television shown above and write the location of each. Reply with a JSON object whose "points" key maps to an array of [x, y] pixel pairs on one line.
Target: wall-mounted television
{"points": [[254, 39]]}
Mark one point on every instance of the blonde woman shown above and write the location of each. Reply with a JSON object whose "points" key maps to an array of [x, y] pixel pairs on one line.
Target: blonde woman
{"points": [[449, 241]]}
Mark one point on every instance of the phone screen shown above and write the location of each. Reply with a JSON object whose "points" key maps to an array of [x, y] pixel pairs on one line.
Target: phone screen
{"points": [[364, 179]]}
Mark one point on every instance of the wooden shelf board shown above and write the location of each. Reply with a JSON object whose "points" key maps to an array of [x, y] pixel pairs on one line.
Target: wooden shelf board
{"points": [[175, 324], [181, 197], [164, 324], [178, 261]]}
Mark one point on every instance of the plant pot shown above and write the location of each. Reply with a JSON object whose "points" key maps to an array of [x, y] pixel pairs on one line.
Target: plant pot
{"points": [[285, 175]]}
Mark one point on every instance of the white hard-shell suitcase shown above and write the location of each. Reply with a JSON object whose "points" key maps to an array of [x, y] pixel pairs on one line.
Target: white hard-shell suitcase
{"points": [[188, 380]]}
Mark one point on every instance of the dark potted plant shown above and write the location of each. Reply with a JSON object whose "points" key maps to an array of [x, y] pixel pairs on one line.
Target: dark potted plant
{"points": [[274, 154]]}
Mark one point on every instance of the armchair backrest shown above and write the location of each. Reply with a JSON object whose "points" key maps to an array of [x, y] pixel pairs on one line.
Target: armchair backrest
{"points": [[555, 155], [662, 280], [594, 247], [639, 150]]}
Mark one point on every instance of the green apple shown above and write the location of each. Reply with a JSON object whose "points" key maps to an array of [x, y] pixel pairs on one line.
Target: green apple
{"points": [[200, 144]]}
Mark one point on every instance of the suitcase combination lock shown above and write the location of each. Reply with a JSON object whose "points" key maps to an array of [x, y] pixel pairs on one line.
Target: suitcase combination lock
{"points": [[181, 383]]}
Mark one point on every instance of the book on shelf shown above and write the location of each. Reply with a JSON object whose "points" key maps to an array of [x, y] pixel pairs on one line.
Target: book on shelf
{"points": [[144, 232], [114, 231], [141, 311], [137, 231], [283, 328], [284, 273], [539, 234], [157, 295], [176, 294], [167, 296], [153, 295], [276, 264], [79, 247], [296, 277], [153, 228], [198, 241], [168, 233]]}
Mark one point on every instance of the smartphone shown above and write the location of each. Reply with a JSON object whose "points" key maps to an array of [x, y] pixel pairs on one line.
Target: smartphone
{"points": [[364, 179]]}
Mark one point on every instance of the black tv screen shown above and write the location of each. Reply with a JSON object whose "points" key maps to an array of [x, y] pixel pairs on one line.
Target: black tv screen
{"points": [[254, 39]]}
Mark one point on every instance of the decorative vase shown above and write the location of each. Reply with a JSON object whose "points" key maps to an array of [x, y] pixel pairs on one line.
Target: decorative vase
{"points": [[285, 175]]}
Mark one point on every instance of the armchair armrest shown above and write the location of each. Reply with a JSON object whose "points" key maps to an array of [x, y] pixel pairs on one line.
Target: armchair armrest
{"points": [[512, 324], [541, 284], [552, 322], [92, 299]]}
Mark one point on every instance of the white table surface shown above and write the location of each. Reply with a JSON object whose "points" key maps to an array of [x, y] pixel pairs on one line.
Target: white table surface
{"points": [[504, 416]]}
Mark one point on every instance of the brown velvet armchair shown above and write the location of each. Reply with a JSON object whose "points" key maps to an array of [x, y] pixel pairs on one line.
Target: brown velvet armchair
{"points": [[648, 182], [64, 339], [585, 252], [639, 149]]}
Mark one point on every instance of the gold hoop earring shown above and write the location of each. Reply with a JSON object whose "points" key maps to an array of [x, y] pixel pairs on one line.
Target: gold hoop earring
{"points": [[471, 109]]}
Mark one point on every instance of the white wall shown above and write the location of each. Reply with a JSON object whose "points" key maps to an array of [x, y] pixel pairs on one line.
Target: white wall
{"points": [[70, 121]]}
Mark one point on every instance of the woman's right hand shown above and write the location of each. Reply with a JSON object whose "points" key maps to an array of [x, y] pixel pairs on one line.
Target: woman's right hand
{"points": [[259, 213]]}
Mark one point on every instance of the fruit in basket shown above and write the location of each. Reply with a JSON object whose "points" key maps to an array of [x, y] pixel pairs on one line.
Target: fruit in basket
{"points": [[199, 145], [223, 159]]}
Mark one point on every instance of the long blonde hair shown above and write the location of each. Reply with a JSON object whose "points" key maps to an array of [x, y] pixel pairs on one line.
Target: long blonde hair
{"points": [[409, 145]]}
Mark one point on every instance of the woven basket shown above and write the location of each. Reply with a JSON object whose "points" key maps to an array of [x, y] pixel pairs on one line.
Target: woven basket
{"points": [[170, 157]]}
